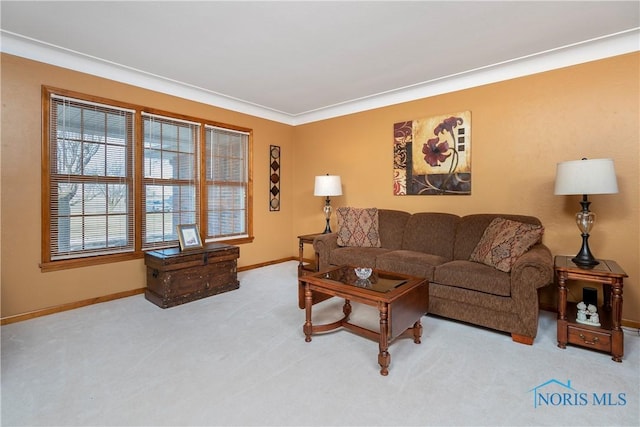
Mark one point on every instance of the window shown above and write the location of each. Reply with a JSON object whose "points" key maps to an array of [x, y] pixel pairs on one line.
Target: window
{"points": [[170, 178], [226, 182], [119, 178], [90, 184]]}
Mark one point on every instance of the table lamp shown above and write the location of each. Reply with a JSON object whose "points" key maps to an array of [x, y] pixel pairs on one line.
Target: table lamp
{"points": [[327, 185], [575, 177]]}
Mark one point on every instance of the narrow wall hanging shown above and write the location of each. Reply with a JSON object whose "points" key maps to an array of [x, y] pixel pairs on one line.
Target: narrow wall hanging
{"points": [[274, 179], [433, 155]]}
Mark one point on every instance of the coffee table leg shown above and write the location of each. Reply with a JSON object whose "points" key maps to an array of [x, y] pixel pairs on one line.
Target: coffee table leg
{"points": [[417, 332], [384, 358], [308, 302], [346, 309]]}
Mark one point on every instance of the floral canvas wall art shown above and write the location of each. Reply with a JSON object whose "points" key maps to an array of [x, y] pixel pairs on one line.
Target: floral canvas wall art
{"points": [[432, 156]]}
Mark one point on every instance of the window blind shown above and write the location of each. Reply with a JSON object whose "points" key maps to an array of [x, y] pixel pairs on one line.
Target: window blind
{"points": [[226, 182], [170, 191], [90, 148]]}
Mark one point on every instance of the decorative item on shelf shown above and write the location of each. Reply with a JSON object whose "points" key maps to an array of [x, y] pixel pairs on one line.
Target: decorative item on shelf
{"points": [[587, 314], [590, 296], [585, 177], [325, 186]]}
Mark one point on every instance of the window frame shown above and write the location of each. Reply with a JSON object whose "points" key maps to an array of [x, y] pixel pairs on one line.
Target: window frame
{"points": [[163, 120], [47, 264], [248, 238], [209, 181]]}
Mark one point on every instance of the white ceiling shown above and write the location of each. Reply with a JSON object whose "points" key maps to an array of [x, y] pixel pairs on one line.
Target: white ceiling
{"points": [[301, 61]]}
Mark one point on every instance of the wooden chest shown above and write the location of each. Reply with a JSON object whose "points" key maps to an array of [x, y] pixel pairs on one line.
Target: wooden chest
{"points": [[175, 277]]}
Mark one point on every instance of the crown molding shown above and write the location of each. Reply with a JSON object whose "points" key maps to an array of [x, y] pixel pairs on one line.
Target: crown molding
{"points": [[37, 50], [566, 56], [590, 50]]}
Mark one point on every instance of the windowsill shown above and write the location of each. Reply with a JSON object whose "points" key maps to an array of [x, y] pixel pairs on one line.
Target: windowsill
{"points": [[107, 259]]}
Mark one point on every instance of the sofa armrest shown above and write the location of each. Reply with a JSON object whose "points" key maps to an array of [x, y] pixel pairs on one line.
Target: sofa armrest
{"points": [[323, 245], [533, 269]]}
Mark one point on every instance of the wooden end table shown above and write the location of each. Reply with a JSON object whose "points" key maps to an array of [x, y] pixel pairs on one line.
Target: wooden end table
{"points": [[401, 301], [607, 337], [304, 266]]}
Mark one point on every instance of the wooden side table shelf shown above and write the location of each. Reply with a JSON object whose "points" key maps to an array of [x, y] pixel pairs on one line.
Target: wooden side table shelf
{"points": [[305, 267], [607, 337]]}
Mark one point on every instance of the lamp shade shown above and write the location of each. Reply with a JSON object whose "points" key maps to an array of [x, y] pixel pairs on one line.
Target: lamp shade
{"points": [[328, 185], [594, 176]]}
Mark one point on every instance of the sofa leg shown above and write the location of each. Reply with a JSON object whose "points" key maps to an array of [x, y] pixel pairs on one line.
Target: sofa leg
{"points": [[522, 339]]}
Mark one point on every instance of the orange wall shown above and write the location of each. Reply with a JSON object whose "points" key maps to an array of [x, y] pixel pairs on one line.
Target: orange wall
{"points": [[24, 287], [520, 129]]}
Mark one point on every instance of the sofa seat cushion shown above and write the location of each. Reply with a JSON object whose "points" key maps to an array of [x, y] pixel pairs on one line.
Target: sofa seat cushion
{"points": [[473, 276], [409, 262], [449, 301], [358, 257]]}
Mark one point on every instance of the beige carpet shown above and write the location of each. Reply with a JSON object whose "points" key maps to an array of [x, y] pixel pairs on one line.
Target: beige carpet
{"points": [[240, 358]]}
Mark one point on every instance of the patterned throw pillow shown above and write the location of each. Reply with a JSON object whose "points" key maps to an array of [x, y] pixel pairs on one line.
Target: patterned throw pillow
{"points": [[358, 227], [504, 241]]}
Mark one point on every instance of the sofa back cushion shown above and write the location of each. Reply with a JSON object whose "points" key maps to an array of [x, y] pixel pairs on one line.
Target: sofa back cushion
{"points": [[471, 229], [391, 226], [432, 233]]}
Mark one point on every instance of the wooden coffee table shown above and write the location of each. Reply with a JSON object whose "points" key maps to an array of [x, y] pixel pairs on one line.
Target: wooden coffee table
{"points": [[401, 301]]}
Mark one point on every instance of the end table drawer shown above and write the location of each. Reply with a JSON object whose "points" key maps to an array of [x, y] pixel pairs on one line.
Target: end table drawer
{"points": [[588, 338]]}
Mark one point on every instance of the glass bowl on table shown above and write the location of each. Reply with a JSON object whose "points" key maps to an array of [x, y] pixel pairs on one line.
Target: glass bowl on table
{"points": [[363, 273]]}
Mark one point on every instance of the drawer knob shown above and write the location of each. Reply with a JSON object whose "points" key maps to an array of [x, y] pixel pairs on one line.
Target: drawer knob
{"points": [[594, 342]]}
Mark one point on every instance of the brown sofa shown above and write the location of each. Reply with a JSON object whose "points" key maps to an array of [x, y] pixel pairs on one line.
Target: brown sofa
{"points": [[438, 246]]}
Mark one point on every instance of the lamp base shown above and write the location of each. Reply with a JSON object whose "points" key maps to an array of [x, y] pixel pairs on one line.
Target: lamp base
{"points": [[585, 263], [327, 215], [585, 220], [585, 259]]}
